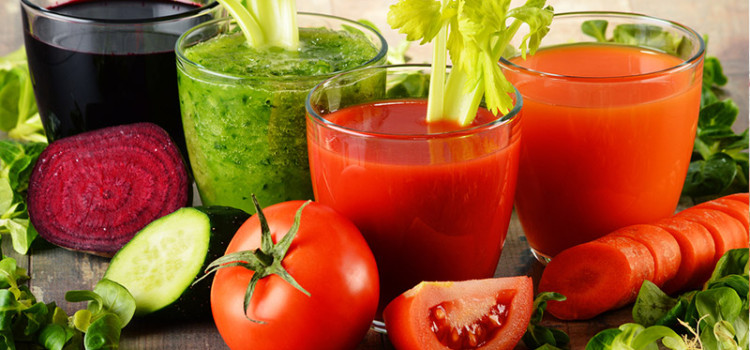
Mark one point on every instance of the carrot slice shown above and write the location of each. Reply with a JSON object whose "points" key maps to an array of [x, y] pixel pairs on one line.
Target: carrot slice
{"points": [[594, 276], [697, 250], [675, 253], [727, 232], [736, 209], [641, 261], [662, 246], [742, 197]]}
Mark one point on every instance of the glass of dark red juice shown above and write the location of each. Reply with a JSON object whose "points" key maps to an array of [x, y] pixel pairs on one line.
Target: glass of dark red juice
{"points": [[97, 63]]}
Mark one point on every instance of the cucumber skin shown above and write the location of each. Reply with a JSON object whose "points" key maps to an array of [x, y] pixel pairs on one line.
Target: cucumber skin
{"points": [[195, 302]]}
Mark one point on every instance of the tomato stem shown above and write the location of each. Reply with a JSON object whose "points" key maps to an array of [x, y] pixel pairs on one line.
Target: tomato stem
{"points": [[263, 261], [263, 257]]}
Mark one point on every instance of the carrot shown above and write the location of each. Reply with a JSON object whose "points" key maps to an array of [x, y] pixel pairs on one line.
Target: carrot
{"points": [[641, 262], [663, 248], [726, 231], [742, 197], [674, 253], [697, 252], [592, 287], [732, 207]]}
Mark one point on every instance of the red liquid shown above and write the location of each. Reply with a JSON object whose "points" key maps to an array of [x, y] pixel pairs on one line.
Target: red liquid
{"points": [[603, 153], [434, 209]]}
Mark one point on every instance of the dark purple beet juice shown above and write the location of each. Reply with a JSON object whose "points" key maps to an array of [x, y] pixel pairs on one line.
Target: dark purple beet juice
{"points": [[98, 63]]}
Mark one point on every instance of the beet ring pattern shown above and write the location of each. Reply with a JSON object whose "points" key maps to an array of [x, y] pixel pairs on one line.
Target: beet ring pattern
{"points": [[94, 191]]}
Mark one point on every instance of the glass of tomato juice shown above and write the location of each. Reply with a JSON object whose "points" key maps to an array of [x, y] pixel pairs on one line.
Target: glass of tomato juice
{"points": [[611, 104], [432, 200]]}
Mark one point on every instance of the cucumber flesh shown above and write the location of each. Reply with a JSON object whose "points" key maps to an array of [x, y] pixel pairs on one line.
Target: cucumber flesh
{"points": [[159, 265], [163, 259]]}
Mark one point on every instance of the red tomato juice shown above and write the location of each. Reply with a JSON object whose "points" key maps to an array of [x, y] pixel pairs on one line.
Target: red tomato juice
{"points": [[605, 151], [431, 207]]}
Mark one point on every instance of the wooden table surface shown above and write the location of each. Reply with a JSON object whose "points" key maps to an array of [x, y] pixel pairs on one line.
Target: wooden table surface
{"points": [[55, 270]]}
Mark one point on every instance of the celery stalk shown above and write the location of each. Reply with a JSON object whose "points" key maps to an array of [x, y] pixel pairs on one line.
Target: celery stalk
{"points": [[266, 23], [476, 37], [435, 105], [462, 110]]}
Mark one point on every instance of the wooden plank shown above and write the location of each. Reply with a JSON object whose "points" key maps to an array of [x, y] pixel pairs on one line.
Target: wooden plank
{"points": [[55, 271], [170, 335]]}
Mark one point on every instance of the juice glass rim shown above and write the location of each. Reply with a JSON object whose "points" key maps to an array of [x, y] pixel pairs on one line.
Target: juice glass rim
{"points": [[315, 116], [181, 58], [150, 20], [685, 64]]}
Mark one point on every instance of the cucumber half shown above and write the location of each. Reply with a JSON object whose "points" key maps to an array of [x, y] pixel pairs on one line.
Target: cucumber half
{"points": [[159, 265]]}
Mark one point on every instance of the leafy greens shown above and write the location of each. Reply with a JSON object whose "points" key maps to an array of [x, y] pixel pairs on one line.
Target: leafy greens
{"points": [[720, 156], [645, 35], [475, 34], [24, 321], [538, 336], [20, 119], [17, 159], [715, 317], [18, 113]]}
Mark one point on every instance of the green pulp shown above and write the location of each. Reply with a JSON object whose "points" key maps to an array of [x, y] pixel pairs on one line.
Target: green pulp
{"points": [[246, 135]]}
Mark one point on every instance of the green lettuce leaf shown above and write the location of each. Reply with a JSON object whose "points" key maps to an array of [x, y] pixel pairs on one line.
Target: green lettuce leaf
{"points": [[17, 160], [18, 112]]}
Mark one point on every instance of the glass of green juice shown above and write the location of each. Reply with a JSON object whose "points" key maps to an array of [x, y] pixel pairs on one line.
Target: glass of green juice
{"points": [[243, 110]]}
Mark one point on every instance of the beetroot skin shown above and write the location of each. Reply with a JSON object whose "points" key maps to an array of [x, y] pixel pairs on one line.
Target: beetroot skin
{"points": [[94, 191]]}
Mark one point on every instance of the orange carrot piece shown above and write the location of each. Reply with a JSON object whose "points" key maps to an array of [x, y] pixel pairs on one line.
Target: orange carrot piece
{"points": [[675, 253], [697, 250], [743, 197], [640, 258], [727, 232], [594, 277], [736, 209], [662, 246]]}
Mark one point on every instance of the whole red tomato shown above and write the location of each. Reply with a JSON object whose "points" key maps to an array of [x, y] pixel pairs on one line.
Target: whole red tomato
{"points": [[328, 258], [477, 314]]}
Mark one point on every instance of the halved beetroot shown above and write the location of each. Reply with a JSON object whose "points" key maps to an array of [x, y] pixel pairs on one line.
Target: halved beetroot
{"points": [[92, 192]]}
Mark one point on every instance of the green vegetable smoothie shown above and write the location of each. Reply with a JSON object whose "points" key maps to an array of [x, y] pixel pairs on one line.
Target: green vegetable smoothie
{"points": [[243, 109]]}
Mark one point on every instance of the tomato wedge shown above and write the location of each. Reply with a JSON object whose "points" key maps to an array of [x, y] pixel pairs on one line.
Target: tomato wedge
{"points": [[478, 314]]}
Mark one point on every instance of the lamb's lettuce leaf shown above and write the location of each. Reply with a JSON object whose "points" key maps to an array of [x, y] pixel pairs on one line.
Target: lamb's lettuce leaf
{"points": [[19, 117]]}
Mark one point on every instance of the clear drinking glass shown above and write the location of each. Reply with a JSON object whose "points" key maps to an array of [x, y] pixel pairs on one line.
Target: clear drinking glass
{"points": [[246, 130], [432, 201], [611, 105], [107, 62]]}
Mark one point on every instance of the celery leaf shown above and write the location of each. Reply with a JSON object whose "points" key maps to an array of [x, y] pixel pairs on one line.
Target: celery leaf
{"points": [[538, 20], [418, 19], [477, 35]]}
